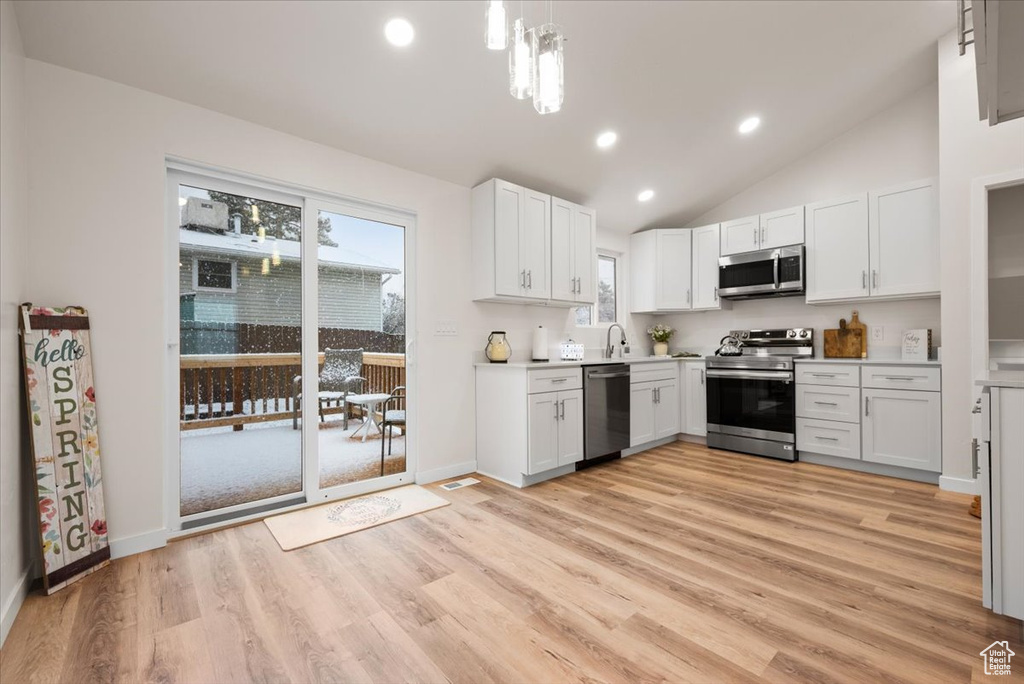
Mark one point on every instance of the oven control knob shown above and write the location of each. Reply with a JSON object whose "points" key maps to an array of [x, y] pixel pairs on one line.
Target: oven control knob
{"points": [[791, 333], [803, 333]]}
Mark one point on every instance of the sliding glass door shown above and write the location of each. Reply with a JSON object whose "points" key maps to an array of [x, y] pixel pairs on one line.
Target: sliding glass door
{"points": [[289, 314]]}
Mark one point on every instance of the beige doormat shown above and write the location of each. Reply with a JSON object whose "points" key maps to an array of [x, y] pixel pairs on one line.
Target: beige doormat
{"points": [[311, 525]]}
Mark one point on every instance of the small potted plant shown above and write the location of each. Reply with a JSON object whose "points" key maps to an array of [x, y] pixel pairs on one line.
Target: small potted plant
{"points": [[661, 334]]}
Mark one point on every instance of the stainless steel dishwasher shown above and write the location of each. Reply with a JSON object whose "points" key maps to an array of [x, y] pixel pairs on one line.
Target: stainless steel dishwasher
{"points": [[605, 410]]}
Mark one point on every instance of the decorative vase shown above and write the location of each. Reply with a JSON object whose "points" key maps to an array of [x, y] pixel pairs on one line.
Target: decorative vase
{"points": [[661, 348]]}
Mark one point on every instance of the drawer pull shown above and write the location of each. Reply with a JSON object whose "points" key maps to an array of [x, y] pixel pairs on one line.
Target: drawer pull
{"points": [[824, 375], [826, 403], [908, 378], [830, 439], [553, 380]]}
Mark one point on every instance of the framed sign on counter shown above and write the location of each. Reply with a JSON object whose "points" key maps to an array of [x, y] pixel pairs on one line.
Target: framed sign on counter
{"points": [[61, 401]]}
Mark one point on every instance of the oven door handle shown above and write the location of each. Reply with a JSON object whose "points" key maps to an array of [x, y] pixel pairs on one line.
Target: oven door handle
{"points": [[751, 375]]}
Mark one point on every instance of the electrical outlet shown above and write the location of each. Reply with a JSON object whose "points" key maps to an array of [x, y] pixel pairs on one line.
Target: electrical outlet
{"points": [[877, 333], [446, 329]]}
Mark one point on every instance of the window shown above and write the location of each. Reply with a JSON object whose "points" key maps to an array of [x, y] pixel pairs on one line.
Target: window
{"points": [[210, 274], [605, 309]]}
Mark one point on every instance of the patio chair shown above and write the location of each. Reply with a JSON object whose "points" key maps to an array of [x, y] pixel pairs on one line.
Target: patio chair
{"points": [[392, 417], [340, 376]]}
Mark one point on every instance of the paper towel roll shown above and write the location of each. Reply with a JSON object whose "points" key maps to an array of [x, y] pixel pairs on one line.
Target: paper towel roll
{"points": [[540, 344]]}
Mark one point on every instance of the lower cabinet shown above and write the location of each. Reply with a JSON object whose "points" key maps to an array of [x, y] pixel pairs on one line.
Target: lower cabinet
{"points": [[555, 430], [902, 428], [653, 411], [694, 399]]}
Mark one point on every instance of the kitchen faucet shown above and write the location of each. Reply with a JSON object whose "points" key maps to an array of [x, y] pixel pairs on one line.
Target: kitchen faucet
{"points": [[609, 348]]}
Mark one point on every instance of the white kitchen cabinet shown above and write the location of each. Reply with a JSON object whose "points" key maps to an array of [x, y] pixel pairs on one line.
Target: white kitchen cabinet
{"points": [[837, 249], [529, 422], [902, 428], [879, 245], [511, 228], [904, 239], [694, 398], [782, 228], [741, 235], [675, 270], [666, 409], [706, 250], [641, 413], [573, 252], [674, 261]]}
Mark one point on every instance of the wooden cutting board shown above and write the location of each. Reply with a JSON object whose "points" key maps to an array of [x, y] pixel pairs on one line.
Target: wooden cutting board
{"points": [[844, 343], [855, 324]]}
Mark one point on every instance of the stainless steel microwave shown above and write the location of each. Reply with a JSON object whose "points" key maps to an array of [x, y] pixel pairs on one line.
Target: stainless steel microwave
{"points": [[767, 273]]}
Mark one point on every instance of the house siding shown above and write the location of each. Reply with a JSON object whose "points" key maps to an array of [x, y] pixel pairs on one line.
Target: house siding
{"points": [[350, 298]]}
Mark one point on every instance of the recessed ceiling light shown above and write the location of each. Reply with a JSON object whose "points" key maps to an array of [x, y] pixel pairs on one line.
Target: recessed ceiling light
{"points": [[399, 32], [607, 139], [645, 195], [750, 125]]}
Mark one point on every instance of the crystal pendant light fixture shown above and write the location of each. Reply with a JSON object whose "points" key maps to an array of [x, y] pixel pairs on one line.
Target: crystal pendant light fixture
{"points": [[497, 26], [548, 68], [520, 62]]}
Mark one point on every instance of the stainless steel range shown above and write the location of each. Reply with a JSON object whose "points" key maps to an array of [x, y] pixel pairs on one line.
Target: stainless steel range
{"points": [[752, 394]]}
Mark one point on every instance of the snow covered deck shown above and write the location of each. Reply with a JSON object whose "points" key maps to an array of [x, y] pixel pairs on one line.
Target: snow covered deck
{"points": [[223, 467]]}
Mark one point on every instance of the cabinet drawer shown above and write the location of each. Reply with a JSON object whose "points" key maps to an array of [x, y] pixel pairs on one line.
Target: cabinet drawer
{"points": [[901, 377], [647, 372], [836, 374], [828, 437], [554, 379], [828, 403]]}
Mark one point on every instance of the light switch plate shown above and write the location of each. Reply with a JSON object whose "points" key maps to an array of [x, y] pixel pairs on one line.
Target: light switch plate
{"points": [[446, 329]]}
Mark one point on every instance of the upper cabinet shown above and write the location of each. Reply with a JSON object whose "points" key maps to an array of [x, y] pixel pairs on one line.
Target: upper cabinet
{"points": [[882, 244], [532, 248], [573, 252], [764, 231], [675, 270]]}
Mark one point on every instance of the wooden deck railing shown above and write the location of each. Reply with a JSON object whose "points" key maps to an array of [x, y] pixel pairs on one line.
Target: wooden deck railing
{"points": [[234, 389]]}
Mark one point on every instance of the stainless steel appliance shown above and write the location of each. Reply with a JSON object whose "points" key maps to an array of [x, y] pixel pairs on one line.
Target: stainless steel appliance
{"points": [[605, 410], [766, 273], [752, 396]]}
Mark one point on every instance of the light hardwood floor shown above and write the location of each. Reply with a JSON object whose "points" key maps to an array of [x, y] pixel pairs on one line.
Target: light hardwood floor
{"points": [[680, 564]]}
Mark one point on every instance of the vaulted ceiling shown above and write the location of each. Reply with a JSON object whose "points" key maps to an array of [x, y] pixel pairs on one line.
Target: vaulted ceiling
{"points": [[674, 79]]}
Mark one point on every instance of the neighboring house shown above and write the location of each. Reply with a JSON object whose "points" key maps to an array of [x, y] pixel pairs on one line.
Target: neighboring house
{"points": [[228, 277]]}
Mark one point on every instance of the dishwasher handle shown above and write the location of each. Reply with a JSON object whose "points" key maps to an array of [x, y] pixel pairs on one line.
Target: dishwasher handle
{"points": [[614, 374]]}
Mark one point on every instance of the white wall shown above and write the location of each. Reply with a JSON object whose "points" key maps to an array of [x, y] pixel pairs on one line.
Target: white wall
{"points": [[968, 149], [97, 202], [15, 526], [897, 145]]}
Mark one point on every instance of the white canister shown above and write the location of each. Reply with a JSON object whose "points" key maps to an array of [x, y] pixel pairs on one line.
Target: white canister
{"points": [[540, 344]]}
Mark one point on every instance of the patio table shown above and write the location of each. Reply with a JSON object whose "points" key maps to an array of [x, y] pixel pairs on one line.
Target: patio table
{"points": [[370, 402]]}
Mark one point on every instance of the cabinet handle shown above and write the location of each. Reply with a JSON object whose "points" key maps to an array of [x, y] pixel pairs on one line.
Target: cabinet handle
{"points": [[716, 294], [687, 296], [554, 380], [529, 280], [562, 403], [702, 376], [823, 375], [863, 280], [574, 290], [556, 410], [867, 407], [831, 439], [579, 285], [874, 279], [826, 403], [522, 279], [762, 234], [906, 378], [755, 235], [974, 457]]}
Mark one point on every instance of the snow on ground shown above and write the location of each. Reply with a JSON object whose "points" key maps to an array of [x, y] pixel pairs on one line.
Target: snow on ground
{"points": [[221, 467]]}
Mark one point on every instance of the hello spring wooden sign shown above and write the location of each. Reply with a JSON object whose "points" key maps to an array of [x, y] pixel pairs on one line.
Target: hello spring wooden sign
{"points": [[57, 360]]}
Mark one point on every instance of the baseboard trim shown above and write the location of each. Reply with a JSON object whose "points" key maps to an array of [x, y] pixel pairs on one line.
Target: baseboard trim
{"points": [[872, 468], [648, 445], [12, 604], [962, 485], [443, 473], [129, 546]]}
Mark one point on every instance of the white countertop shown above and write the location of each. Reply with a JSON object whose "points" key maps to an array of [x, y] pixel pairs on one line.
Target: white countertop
{"points": [[1008, 379], [873, 362], [593, 361]]}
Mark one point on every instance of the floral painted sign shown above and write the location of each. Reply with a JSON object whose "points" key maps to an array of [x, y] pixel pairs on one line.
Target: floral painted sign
{"points": [[57, 359]]}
